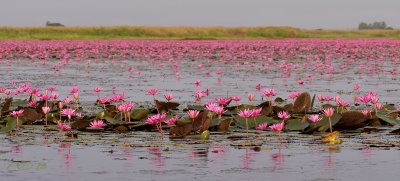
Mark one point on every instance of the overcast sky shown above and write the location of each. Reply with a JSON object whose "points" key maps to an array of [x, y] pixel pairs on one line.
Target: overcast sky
{"points": [[310, 14]]}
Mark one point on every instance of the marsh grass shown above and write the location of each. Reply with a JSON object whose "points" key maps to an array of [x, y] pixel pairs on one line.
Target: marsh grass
{"points": [[184, 33]]}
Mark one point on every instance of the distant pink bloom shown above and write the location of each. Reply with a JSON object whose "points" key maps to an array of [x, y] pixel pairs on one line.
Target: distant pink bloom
{"points": [[172, 120], [294, 95], [329, 112], [365, 99], [193, 113], [33, 103], [301, 82], [67, 100], [219, 71], [131, 69], [169, 96], [55, 95], [366, 112], [197, 83], [314, 118], [155, 119], [97, 89], [210, 106], [356, 87], [278, 127], [258, 86], [97, 124], [17, 113], [219, 111], [284, 115], [152, 91], [198, 94], [262, 126], [46, 109], [68, 112], [246, 113], [256, 112], [223, 101], [236, 98], [269, 92], [320, 98], [374, 99], [51, 89], [328, 98], [74, 89], [63, 127], [250, 96], [45, 97], [379, 106]]}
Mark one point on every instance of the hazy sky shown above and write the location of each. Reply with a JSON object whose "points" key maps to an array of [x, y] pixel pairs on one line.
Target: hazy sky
{"points": [[333, 14]]}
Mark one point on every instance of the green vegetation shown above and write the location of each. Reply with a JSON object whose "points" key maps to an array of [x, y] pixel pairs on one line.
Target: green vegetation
{"points": [[184, 33]]}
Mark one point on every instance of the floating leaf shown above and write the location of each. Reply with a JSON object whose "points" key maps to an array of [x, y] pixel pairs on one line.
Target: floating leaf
{"points": [[10, 125], [139, 114], [351, 120], [386, 117], [205, 135], [31, 115], [112, 120], [180, 130], [224, 125], [302, 103], [6, 106], [296, 124], [164, 107], [279, 100], [324, 123]]}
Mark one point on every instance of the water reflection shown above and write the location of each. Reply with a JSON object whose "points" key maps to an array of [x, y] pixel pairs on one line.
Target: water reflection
{"points": [[156, 157]]}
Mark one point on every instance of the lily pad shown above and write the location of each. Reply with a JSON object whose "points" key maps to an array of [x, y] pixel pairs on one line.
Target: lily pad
{"points": [[139, 114], [387, 118], [297, 124]]}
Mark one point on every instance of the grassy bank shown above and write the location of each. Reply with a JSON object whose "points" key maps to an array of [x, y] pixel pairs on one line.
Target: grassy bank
{"points": [[139, 32]]}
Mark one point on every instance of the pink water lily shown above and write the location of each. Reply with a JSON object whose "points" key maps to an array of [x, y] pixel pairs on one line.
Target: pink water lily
{"points": [[329, 113], [17, 114], [63, 127], [97, 124]]}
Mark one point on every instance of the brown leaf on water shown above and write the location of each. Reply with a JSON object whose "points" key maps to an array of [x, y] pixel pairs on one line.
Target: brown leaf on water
{"points": [[288, 107], [120, 129], [302, 103], [80, 124], [351, 120], [38, 108], [264, 104], [31, 115], [110, 111], [267, 111], [164, 107], [224, 125], [206, 124], [6, 106], [199, 120], [180, 130]]}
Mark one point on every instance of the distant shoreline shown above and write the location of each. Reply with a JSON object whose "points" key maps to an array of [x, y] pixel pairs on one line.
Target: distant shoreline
{"points": [[186, 33]]}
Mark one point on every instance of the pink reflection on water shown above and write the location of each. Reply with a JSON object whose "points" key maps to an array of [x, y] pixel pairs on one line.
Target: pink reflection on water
{"points": [[156, 157]]}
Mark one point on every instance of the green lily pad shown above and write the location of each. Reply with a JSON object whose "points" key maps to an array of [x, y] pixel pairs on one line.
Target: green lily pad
{"points": [[139, 114], [205, 135], [296, 124], [390, 120], [10, 125], [195, 107], [324, 123]]}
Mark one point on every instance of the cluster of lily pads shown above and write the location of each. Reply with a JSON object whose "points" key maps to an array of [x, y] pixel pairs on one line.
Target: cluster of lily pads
{"points": [[117, 114]]}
